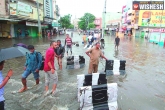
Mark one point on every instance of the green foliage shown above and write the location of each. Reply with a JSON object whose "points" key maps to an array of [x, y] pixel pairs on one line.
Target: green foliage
{"points": [[86, 20], [71, 26], [65, 21], [91, 25]]}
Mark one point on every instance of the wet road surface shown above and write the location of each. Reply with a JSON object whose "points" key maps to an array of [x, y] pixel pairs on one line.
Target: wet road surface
{"points": [[142, 88]]}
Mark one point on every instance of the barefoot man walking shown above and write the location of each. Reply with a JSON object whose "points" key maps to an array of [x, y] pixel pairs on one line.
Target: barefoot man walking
{"points": [[32, 65], [49, 68]]}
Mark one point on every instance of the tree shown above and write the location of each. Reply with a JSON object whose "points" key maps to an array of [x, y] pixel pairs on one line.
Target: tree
{"points": [[71, 26], [65, 21], [91, 25], [86, 20]]}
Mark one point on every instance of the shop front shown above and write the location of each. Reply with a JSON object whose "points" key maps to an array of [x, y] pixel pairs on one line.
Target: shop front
{"points": [[157, 36], [4, 29], [32, 29], [154, 22], [19, 30], [28, 26]]}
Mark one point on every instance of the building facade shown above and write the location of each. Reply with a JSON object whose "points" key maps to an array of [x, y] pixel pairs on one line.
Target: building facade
{"points": [[75, 23], [56, 15], [4, 19], [48, 13], [153, 23], [22, 16], [113, 20]]}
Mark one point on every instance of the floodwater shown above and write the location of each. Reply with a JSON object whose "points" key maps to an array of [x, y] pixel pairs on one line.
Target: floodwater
{"points": [[142, 88]]}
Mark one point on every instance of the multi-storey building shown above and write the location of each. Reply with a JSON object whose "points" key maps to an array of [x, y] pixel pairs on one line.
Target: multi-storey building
{"points": [[129, 18], [113, 20], [56, 15], [126, 19], [48, 12], [75, 23], [20, 15]]}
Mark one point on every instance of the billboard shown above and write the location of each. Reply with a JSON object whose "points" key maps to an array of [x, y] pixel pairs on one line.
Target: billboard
{"points": [[13, 8], [34, 15], [152, 18], [24, 9], [148, 5], [2, 7]]}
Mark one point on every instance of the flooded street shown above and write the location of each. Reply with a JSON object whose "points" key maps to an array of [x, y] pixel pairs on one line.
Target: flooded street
{"points": [[142, 88]]}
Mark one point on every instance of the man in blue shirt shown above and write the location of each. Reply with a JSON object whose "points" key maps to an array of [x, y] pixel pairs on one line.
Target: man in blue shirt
{"points": [[32, 65], [3, 82]]}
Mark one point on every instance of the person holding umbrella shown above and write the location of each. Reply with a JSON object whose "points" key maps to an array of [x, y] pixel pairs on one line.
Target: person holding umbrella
{"points": [[5, 54], [3, 82]]}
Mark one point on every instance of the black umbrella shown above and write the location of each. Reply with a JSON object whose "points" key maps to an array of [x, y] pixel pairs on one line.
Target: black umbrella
{"points": [[12, 52]]}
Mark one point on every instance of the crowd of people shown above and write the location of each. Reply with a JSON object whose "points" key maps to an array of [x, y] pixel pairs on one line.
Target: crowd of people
{"points": [[56, 50], [91, 38]]}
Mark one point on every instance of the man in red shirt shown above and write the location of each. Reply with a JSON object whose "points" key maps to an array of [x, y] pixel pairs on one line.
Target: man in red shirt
{"points": [[49, 68]]}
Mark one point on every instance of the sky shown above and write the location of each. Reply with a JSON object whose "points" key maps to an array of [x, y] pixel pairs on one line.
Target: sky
{"points": [[77, 8]]}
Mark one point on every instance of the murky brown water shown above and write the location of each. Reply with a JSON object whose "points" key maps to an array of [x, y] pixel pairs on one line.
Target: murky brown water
{"points": [[142, 88]]}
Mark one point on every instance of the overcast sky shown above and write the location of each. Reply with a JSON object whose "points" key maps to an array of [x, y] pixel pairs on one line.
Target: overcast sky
{"points": [[79, 7]]}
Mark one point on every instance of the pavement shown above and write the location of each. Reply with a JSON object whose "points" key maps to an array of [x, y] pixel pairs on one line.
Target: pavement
{"points": [[142, 88]]}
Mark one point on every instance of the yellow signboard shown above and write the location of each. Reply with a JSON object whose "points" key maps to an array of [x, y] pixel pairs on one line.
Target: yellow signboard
{"points": [[34, 15], [152, 18]]}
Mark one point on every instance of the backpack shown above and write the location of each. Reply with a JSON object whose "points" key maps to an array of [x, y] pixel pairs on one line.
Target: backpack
{"points": [[43, 60]]}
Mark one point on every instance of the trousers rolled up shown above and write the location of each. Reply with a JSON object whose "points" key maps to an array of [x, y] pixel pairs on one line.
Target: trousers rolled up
{"points": [[49, 76]]}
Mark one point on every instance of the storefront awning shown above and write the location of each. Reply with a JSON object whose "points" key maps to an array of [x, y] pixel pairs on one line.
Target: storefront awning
{"points": [[9, 19]]}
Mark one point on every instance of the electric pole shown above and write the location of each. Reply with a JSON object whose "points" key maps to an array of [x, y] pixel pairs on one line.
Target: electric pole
{"points": [[39, 22], [103, 22]]}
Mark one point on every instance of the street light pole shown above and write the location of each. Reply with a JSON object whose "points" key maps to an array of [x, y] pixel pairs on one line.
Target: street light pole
{"points": [[39, 22], [103, 24]]}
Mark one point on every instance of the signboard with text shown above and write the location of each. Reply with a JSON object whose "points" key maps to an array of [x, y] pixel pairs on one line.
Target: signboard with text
{"points": [[148, 5], [13, 9], [31, 24], [23, 9], [152, 18], [34, 15]]}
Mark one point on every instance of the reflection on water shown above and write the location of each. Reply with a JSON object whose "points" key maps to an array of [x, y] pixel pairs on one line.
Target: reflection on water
{"points": [[116, 53], [143, 79]]}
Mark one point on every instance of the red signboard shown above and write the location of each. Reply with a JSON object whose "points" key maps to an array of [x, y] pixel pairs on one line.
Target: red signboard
{"points": [[157, 30]]}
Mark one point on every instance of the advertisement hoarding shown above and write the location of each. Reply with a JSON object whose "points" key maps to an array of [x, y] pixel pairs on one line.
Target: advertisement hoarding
{"points": [[23, 9], [34, 15], [148, 5], [13, 9], [152, 18]]}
